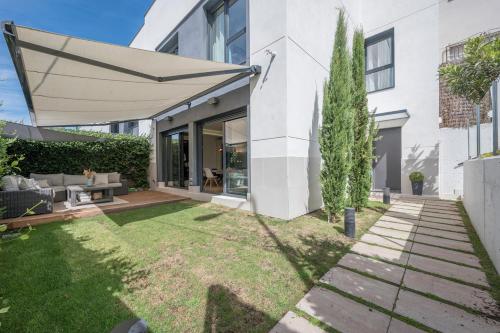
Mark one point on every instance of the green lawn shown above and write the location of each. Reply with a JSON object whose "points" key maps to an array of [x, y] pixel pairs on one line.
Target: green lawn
{"points": [[184, 267]]}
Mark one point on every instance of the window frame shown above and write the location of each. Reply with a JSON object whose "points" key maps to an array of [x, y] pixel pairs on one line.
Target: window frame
{"points": [[374, 40], [226, 4]]}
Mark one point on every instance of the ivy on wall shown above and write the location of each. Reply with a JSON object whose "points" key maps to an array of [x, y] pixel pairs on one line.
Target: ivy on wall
{"points": [[127, 155]]}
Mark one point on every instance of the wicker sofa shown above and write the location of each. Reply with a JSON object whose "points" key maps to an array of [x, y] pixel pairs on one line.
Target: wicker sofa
{"points": [[16, 202]]}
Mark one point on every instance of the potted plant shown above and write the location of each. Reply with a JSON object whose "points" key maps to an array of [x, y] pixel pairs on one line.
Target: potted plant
{"points": [[417, 182], [90, 176]]}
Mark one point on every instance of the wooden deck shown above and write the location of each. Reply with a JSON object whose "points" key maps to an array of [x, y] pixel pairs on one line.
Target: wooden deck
{"points": [[132, 201]]}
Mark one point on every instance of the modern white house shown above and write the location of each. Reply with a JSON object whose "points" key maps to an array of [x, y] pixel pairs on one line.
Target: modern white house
{"points": [[251, 141]]}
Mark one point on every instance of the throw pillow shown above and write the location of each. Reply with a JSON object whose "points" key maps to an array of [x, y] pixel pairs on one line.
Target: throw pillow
{"points": [[114, 177], [101, 179], [28, 184], [10, 183], [43, 183]]}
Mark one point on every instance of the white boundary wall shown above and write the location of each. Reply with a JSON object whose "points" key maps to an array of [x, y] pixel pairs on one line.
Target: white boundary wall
{"points": [[482, 202]]}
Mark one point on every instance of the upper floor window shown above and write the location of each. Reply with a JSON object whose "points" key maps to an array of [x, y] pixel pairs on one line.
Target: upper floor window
{"points": [[131, 127], [379, 50], [114, 128], [228, 32], [172, 46]]}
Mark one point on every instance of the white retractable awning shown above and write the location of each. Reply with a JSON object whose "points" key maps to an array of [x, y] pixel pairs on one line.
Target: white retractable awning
{"points": [[71, 81]]}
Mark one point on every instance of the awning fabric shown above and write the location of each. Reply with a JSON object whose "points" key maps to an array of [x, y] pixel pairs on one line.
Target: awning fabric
{"points": [[71, 81]]}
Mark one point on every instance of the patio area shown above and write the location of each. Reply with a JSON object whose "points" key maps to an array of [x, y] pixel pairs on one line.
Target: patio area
{"points": [[63, 212]]}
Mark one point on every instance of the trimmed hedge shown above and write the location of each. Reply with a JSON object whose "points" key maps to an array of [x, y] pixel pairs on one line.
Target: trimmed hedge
{"points": [[127, 155]]}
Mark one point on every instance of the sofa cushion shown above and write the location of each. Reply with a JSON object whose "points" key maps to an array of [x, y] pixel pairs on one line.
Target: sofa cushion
{"points": [[54, 179], [43, 183], [113, 177], [74, 180], [28, 184], [101, 179], [11, 183], [115, 185]]}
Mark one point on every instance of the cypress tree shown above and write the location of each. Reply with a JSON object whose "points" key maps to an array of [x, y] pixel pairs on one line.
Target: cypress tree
{"points": [[360, 176], [336, 133]]}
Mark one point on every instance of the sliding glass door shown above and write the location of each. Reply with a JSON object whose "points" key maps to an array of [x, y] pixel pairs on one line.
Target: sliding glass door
{"points": [[235, 156], [177, 159]]}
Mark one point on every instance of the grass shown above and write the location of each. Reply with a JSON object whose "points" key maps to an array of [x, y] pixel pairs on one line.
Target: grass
{"points": [[183, 267]]}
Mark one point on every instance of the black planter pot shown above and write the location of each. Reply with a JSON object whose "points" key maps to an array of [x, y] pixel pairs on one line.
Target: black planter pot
{"points": [[417, 187]]}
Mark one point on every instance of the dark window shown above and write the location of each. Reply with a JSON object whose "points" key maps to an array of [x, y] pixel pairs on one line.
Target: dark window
{"points": [[131, 127], [172, 46], [114, 128], [379, 51], [228, 32]]}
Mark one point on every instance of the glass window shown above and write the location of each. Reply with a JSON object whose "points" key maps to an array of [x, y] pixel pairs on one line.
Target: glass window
{"points": [[380, 61], [235, 147], [228, 32]]}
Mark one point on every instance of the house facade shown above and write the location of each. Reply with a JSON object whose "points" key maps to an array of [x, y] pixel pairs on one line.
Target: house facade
{"points": [[253, 144]]}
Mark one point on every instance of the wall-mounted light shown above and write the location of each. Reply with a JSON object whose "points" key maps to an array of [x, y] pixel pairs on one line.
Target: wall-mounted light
{"points": [[213, 101], [170, 118]]}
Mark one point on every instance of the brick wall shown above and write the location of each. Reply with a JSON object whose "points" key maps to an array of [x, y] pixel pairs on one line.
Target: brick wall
{"points": [[454, 111]]}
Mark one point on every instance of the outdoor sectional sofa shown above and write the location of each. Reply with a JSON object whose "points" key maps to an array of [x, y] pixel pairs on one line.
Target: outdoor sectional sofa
{"points": [[15, 203]]}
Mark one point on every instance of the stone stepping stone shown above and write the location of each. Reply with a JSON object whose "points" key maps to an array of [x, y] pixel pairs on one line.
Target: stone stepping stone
{"points": [[380, 269], [398, 220], [342, 313], [441, 226], [379, 252], [446, 211], [443, 242], [443, 233], [393, 243], [402, 215], [447, 269], [397, 226], [441, 316], [391, 233], [473, 298], [440, 220], [408, 205], [450, 255], [414, 212], [443, 216], [397, 326], [375, 291], [292, 323]]}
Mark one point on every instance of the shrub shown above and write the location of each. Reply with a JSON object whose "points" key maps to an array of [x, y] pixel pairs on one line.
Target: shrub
{"points": [[127, 155], [416, 176]]}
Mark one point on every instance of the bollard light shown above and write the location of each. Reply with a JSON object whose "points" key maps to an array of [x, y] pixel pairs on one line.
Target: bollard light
{"points": [[350, 222]]}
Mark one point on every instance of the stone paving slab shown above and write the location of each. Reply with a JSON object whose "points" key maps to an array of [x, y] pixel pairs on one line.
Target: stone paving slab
{"points": [[473, 298], [397, 326], [450, 255], [397, 226], [292, 323], [443, 242], [443, 233], [443, 216], [398, 220], [393, 243], [402, 215], [375, 291], [446, 269], [440, 220], [380, 269], [414, 212], [441, 226], [441, 316], [342, 313], [444, 211], [383, 253], [392, 233]]}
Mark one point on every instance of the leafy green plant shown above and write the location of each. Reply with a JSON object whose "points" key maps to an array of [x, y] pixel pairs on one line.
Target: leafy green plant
{"points": [[128, 155], [473, 77], [9, 162], [336, 134], [416, 176], [360, 178]]}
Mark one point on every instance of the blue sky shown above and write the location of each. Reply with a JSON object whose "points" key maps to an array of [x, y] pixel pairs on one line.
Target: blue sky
{"points": [[112, 21]]}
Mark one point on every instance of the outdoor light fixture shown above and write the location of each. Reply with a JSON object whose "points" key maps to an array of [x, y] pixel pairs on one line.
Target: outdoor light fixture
{"points": [[170, 118], [213, 101]]}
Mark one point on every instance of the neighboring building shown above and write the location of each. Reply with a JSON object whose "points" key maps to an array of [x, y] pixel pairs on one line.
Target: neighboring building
{"points": [[26, 132]]}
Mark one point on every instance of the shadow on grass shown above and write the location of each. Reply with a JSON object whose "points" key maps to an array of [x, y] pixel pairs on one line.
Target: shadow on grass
{"points": [[225, 312], [143, 214], [56, 282]]}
